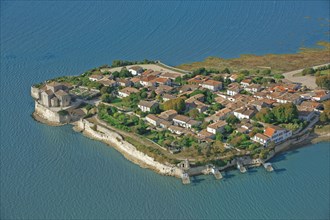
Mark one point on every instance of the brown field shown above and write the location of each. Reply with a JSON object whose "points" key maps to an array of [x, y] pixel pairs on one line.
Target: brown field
{"points": [[304, 58]]}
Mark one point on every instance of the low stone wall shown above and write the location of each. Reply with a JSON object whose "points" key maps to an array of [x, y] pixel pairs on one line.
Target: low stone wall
{"points": [[50, 115], [101, 133]]}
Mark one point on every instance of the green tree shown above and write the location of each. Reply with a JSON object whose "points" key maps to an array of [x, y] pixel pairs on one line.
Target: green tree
{"points": [[178, 80], [323, 81], [153, 94], [278, 76], [106, 98], [193, 113], [285, 113], [232, 119], [228, 129], [219, 137], [209, 96], [325, 115], [177, 104], [265, 115], [308, 71], [115, 74], [225, 70], [266, 72]]}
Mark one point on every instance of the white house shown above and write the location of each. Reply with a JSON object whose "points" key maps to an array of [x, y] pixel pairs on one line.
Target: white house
{"points": [[253, 88], [216, 127], [127, 91], [184, 121], [95, 77], [321, 95], [212, 85], [135, 70], [153, 119], [262, 139], [246, 82], [277, 134], [176, 130], [245, 112], [147, 106], [233, 89]]}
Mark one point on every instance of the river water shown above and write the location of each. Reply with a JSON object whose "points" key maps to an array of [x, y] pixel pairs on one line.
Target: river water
{"points": [[55, 173]]}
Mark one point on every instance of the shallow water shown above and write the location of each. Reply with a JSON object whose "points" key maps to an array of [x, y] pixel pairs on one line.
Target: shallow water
{"points": [[53, 172]]}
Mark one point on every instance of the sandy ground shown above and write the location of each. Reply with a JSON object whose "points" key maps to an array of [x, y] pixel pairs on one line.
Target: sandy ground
{"points": [[147, 66], [308, 81]]}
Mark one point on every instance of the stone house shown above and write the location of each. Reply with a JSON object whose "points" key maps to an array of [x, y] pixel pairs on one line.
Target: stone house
{"points": [[46, 97], [53, 95], [63, 97]]}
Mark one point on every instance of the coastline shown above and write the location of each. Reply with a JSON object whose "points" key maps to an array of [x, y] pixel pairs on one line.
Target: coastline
{"points": [[129, 151], [42, 120], [161, 168], [313, 138]]}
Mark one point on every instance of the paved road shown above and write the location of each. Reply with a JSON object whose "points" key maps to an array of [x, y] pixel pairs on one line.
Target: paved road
{"points": [[308, 81]]}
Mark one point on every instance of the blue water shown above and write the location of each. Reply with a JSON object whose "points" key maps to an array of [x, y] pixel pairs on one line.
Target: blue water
{"points": [[53, 172]]}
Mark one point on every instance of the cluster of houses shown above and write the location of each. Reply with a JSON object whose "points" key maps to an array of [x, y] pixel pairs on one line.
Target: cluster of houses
{"points": [[244, 105]]}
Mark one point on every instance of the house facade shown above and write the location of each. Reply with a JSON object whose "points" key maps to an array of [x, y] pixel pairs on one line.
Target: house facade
{"points": [[212, 85], [135, 70], [216, 127], [277, 134], [147, 106]]}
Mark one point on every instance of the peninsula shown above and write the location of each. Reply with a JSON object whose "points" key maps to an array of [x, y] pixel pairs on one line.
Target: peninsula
{"points": [[187, 122]]}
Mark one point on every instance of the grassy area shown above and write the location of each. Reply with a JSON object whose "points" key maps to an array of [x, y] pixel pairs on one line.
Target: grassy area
{"points": [[322, 73], [325, 72], [120, 104], [304, 58], [322, 129]]}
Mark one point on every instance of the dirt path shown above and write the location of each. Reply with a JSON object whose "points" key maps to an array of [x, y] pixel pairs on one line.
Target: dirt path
{"points": [[308, 81]]}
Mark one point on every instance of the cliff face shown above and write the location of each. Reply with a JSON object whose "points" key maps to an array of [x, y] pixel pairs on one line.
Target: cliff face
{"points": [[50, 115], [128, 150]]}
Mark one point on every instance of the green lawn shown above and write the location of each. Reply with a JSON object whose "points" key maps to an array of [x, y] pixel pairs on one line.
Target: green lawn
{"points": [[325, 72]]}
